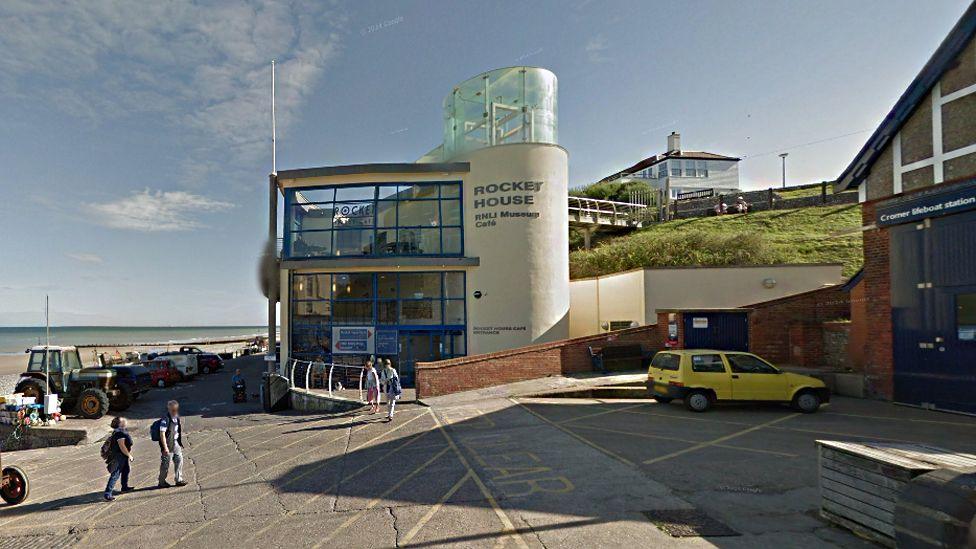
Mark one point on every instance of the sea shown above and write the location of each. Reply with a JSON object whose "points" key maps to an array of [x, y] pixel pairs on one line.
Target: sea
{"points": [[15, 340]]}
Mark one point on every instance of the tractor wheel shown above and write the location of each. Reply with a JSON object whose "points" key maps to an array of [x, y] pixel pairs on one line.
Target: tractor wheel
{"points": [[14, 487], [206, 370], [32, 388], [123, 400], [92, 403]]}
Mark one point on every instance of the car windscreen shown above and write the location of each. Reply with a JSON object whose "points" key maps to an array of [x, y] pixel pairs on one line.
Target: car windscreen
{"points": [[666, 361]]}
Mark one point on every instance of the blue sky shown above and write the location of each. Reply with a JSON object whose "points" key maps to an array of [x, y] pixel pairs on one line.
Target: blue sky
{"points": [[135, 139]]}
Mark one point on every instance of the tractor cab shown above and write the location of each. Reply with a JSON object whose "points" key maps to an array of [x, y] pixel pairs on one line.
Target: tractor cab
{"points": [[57, 362]]}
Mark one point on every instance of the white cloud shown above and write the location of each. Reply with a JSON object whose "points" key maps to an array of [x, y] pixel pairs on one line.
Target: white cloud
{"points": [[154, 211], [595, 47], [85, 257], [202, 68]]}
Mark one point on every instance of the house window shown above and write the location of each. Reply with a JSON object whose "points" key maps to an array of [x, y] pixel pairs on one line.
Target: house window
{"points": [[690, 170], [675, 168], [662, 170], [702, 168]]}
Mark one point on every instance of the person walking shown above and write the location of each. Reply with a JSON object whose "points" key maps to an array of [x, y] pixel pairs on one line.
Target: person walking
{"points": [[171, 445], [120, 455], [372, 387], [391, 380]]}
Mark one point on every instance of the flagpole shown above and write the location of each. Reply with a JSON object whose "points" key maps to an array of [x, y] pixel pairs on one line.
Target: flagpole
{"points": [[274, 124], [47, 347]]}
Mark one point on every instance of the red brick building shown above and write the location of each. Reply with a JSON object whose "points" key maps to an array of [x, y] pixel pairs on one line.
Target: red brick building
{"points": [[916, 178]]}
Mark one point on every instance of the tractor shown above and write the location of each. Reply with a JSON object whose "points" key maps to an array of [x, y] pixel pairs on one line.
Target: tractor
{"points": [[92, 390]]}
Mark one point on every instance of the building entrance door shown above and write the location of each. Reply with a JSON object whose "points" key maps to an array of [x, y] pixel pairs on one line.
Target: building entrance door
{"points": [[933, 309], [426, 346]]}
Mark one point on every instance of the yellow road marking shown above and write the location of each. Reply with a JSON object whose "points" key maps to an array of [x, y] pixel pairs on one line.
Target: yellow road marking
{"points": [[689, 441], [379, 498], [433, 510], [506, 522], [294, 479], [713, 442], [584, 440]]}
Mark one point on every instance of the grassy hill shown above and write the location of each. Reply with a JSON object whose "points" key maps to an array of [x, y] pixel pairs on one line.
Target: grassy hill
{"points": [[808, 235]]}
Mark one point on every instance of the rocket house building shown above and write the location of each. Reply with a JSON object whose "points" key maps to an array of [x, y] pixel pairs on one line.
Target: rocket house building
{"points": [[463, 252]]}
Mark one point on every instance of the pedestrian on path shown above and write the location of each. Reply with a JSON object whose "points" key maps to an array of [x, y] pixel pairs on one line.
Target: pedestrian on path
{"points": [[120, 455], [372, 387], [171, 445], [391, 380]]}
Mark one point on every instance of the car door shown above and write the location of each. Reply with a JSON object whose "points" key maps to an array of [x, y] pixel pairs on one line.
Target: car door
{"points": [[755, 379], [708, 370]]}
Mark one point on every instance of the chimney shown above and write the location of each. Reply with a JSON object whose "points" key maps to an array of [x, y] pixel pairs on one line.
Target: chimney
{"points": [[674, 142]]}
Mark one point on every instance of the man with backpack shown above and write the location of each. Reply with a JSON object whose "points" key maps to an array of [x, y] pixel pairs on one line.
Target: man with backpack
{"points": [[168, 430], [391, 380]]}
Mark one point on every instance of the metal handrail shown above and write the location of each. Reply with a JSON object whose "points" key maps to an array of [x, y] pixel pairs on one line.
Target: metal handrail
{"points": [[294, 363]]}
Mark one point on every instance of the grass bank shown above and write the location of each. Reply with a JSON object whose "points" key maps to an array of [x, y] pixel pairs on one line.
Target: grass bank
{"points": [[808, 235]]}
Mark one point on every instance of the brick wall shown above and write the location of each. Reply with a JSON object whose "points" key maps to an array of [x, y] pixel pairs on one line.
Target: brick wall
{"points": [[878, 357], [835, 344], [772, 322], [567, 356]]}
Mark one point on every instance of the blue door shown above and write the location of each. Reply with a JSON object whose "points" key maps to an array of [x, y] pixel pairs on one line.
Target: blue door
{"points": [[725, 331], [933, 310]]}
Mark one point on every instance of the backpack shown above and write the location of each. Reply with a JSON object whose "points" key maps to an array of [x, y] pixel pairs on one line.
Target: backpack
{"points": [[154, 430], [106, 451], [395, 387]]}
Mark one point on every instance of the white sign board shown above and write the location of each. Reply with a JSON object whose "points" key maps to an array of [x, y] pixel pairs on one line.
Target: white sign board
{"points": [[699, 322], [353, 340]]}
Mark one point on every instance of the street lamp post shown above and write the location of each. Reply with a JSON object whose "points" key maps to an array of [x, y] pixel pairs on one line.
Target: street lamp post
{"points": [[783, 156]]}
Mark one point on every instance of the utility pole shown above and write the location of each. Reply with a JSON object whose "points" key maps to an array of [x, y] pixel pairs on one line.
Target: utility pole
{"points": [[783, 156]]}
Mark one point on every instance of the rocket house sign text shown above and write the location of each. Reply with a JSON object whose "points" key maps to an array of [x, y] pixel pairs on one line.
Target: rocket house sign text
{"points": [[494, 196]]}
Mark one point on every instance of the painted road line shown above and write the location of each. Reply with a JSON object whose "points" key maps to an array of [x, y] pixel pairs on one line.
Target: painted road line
{"points": [[506, 522], [585, 441], [713, 442], [379, 498], [688, 441], [603, 413], [433, 510], [299, 477], [971, 424]]}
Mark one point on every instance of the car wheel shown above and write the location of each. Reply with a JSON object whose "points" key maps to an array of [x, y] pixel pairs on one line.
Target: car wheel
{"points": [[806, 401], [206, 369], [92, 403], [15, 485], [161, 383], [663, 399], [698, 401]]}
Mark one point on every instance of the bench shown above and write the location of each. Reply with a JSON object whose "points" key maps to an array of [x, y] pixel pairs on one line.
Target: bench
{"points": [[618, 358]]}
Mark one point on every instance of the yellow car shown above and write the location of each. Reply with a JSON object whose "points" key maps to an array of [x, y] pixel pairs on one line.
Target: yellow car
{"points": [[701, 377]]}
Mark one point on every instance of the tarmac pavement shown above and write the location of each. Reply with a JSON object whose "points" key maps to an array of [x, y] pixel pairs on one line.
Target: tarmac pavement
{"points": [[495, 471]]}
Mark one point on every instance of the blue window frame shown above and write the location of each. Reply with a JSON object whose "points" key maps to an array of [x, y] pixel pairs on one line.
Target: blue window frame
{"points": [[374, 220], [430, 302]]}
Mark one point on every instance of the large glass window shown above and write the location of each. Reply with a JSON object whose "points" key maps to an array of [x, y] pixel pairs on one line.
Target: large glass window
{"points": [[395, 301], [966, 317], [374, 220]]}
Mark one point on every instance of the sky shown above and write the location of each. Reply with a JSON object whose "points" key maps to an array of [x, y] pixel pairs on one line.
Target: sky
{"points": [[135, 136]]}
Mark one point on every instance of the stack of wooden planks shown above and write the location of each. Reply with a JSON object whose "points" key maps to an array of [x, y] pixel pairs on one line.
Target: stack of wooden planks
{"points": [[860, 481]]}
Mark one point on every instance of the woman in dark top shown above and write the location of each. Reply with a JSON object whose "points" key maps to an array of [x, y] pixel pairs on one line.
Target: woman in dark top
{"points": [[118, 466]]}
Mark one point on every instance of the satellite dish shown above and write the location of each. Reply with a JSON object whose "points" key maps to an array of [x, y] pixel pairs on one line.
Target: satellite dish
{"points": [[268, 271]]}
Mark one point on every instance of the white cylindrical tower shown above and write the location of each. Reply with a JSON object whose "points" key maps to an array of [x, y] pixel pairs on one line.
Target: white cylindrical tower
{"points": [[504, 123]]}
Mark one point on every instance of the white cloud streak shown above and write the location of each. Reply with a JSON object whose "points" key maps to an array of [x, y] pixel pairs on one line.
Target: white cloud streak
{"points": [[157, 211], [201, 68], [85, 257]]}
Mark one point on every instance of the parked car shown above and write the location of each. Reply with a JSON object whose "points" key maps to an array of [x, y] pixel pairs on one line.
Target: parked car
{"points": [[93, 390], [163, 372], [702, 377], [207, 362], [186, 364]]}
